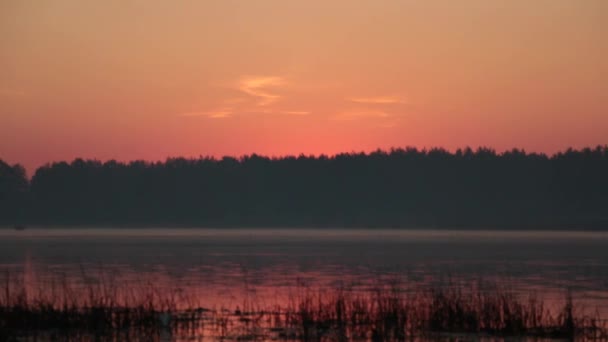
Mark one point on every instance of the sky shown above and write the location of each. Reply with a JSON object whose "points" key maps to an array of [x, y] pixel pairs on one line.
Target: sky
{"points": [[148, 79]]}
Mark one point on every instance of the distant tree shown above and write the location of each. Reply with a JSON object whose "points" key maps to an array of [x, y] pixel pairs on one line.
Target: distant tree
{"points": [[402, 187], [13, 193]]}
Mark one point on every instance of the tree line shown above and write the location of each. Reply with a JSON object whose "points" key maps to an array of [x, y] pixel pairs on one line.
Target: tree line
{"points": [[397, 188]]}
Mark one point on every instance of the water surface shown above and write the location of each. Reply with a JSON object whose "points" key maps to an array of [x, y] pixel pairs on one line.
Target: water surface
{"points": [[225, 267]]}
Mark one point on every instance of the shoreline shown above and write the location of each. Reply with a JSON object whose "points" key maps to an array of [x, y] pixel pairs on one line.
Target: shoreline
{"points": [[533, 228]]}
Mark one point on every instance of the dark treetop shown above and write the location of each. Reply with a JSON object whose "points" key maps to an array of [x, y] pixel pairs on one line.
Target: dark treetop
{"points": [[400, 188]]}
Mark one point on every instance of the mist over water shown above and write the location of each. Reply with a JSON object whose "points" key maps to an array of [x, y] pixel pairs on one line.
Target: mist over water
{"points": [[226, 267]]}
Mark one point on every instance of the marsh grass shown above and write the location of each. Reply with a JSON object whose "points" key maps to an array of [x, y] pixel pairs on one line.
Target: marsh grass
{"points": [[104, 310], [390, 314]]}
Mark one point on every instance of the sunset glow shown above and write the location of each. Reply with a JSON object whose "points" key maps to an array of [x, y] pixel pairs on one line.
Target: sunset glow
{"points": [[151, 79]]}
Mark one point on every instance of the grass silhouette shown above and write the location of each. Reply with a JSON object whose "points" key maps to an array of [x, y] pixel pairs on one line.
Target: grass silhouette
{"points": [[384, 314]]}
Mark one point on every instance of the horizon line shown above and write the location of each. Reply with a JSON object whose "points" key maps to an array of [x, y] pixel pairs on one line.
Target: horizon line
{"points": [[240, 157]]}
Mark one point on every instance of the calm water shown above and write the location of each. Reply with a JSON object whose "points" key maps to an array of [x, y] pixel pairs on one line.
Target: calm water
{"points": [[226, 267]]}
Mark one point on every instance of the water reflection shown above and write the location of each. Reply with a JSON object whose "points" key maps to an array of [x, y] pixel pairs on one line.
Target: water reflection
{"points": [[265, 268]]}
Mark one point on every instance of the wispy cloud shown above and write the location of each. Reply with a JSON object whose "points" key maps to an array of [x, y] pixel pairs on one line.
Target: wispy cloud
{"points": [[258, 87], [273, 111], [378, 100], [354, 115], [296, 112], [219, 114], [213, 114]]}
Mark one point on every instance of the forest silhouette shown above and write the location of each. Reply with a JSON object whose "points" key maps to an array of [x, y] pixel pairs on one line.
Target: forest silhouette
{"points": [[407, 187]]}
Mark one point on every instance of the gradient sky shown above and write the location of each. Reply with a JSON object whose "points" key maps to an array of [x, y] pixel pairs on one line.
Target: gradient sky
{"points": [[145, 79]]}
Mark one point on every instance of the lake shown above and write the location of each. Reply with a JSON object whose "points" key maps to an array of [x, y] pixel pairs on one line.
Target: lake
{"points": [[227, 267]]}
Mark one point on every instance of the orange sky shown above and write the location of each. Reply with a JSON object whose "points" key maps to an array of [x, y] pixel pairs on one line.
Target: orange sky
{"points": [[145, 79]]}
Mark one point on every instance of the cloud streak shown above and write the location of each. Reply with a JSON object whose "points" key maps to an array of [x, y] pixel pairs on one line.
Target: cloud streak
{"points": [[214, 114], [354, 115], [378, 100], [296, 112], [258, 87]]}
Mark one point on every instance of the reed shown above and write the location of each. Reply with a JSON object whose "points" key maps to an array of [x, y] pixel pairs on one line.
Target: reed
{"points": [[395, 313], [99, 309]]}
